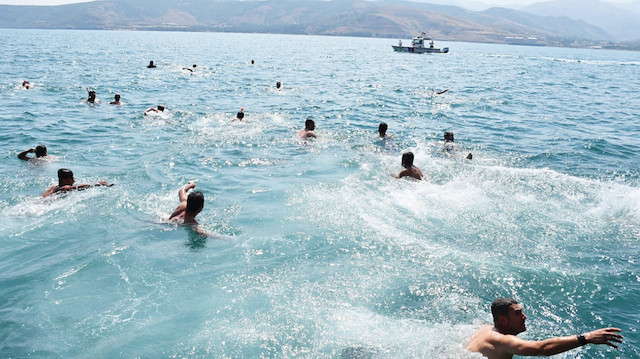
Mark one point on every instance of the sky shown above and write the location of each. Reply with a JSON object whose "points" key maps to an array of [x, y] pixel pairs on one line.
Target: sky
{"points": [[471, 4]]}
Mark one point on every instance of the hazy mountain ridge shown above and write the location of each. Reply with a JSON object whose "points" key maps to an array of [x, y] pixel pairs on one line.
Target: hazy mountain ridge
{"points": [[349, 17], [622, 21]]}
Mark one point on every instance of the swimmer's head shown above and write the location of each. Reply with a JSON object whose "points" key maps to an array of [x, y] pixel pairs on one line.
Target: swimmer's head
{"points": [[382, 129], [194, 66], [117, 97], [278, 84], [41, 151], [508, 317], [448, 136], [150, 63], [470, 156], [240, 115], [65, 177], [407, 159], [252, 62], [160, 107], [309, 125], [25, 83], [195, 202]]}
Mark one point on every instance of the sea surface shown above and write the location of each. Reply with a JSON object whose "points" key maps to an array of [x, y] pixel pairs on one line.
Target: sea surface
{"points": [[317, 251]]}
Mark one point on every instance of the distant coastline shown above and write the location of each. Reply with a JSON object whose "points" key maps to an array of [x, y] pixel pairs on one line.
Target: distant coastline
{"points": [[357, 18], [584, 44]]}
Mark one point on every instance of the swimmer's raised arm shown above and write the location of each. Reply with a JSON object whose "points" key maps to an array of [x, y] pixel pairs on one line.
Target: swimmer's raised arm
{"points": [[182, 192], [23, 154]]}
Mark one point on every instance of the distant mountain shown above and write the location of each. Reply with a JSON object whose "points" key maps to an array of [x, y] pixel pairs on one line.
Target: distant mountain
{"points": [[341, 17], [633, 6], [621, 23]]}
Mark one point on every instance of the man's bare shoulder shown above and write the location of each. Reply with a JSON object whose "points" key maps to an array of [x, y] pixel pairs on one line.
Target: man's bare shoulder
{"points": [[489, 342]]}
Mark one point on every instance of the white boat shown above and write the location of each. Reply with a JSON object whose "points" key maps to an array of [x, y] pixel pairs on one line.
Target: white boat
{"points": [[418, 46]]}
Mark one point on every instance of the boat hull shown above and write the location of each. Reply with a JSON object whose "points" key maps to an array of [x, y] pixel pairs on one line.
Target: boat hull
{"points": [[420, 50]]}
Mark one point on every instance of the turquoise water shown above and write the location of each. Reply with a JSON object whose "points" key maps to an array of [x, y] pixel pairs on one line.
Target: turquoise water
{"points": [[324, 253]]}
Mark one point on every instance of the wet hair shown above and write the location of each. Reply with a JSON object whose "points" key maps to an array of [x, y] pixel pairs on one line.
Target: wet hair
{"points": [[252, 62], [382, 128], [407, 159], [309, 124], [117, 96], [240, 114], [448, 136], [41, 151], [278, 84], [500, 307], [160, 107], [195, 202], [64, 174]]}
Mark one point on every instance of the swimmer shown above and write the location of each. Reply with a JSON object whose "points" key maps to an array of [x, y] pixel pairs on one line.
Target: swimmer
{"points": [[190, 70], [448, 137], [66, 181], [448, 145], [500, 341], [252, 62], [116, 100], [92, 96], [239, 115], [278, 85], [470, 156], [409, 169], [26, 84], [382, 130], [309, 126], [441, 92], [40, 151], [151, 110], [151, 65], [189, 206]]}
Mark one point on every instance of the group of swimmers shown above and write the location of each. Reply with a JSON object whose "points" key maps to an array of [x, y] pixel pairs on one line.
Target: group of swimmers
{"points": [[191, 203], [497, 341]]}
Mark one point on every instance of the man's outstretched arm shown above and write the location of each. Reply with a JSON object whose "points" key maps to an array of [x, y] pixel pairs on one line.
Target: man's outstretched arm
{"points": [[514, 345]]}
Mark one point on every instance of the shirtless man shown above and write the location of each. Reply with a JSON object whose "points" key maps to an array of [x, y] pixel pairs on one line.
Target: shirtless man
{"points": [[448, 137], [92, 96], [239, 115], [116, 100], [151, 110], [151, 65], [26, 84], [382, 130], [500, 341], [309, 126], [189, 206], [40, 151], [409, 169], [66, 181]]}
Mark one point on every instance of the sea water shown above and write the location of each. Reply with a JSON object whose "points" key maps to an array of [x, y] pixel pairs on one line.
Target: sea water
{"points": [[322, 252]]}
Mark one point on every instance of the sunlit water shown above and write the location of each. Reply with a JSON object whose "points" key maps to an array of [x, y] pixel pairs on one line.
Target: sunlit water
{"points": [[324, 253]]}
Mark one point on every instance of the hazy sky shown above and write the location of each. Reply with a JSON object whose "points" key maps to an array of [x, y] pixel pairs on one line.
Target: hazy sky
{"points": [[472, 3]]}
